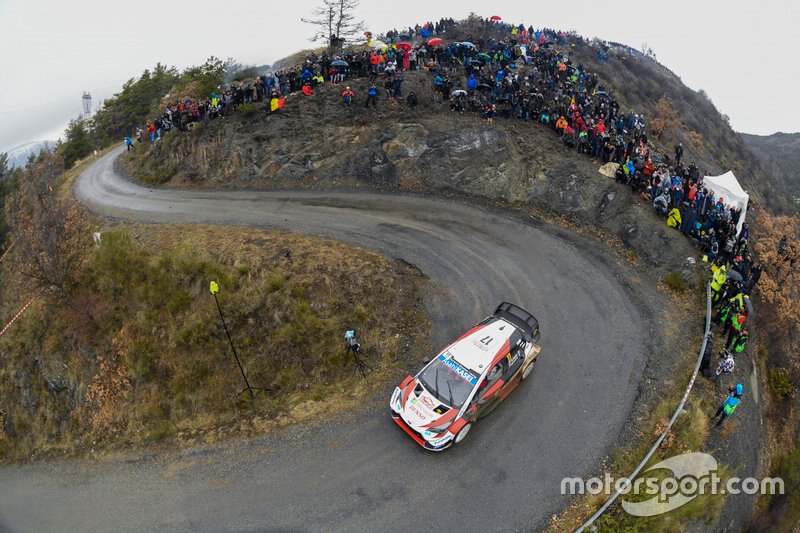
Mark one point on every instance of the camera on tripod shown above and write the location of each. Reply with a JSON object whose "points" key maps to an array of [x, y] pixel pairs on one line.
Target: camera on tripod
{"points": [[352, 346]]}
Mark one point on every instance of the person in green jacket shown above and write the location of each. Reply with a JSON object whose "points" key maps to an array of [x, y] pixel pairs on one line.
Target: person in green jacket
{"points": [[717, 281], [731, 403], [674, 218], [740, 342]]}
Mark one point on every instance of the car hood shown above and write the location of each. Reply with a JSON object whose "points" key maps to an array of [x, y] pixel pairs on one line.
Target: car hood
{"points": [[421, 409]]}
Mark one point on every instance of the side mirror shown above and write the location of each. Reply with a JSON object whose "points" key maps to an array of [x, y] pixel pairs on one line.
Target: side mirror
{"points": [[426, 360]]}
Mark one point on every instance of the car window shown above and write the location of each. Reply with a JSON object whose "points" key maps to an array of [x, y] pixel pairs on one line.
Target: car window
{"points": [[446, 379]]}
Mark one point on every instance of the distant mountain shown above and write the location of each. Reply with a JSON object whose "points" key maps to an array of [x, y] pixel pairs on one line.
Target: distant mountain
{"points": [[18, 157], [779, 155]]}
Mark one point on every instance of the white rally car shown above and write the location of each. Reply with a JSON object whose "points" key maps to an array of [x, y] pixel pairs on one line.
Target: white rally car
{"points": [[439, 405]]}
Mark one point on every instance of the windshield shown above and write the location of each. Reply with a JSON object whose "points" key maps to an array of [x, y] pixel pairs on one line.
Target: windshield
{"points": [[450, 382]]}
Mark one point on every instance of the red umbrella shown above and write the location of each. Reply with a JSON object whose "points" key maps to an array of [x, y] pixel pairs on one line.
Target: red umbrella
{"points": [[403, 46], [434, 41], [495, 18]]}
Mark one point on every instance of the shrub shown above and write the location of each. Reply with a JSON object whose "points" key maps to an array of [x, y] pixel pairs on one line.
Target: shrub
{"points": [[179, 301], [779, 383], [676, 281]]}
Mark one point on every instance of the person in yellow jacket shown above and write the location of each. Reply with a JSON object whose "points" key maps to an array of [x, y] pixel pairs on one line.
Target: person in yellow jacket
{"points": [[717, 281], [674, 218]]}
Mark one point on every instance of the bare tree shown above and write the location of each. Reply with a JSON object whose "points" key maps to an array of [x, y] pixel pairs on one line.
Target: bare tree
{"points": [[49, 232], [335, 21]]}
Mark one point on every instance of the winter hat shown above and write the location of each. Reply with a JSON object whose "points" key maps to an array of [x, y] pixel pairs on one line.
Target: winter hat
{"points": [[739, 389]]}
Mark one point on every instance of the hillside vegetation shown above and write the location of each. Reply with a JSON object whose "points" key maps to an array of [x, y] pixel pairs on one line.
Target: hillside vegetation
{"points": [[130, 349]]}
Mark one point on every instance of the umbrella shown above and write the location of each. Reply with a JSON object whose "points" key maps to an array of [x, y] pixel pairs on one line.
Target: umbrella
{"points": [[378, 44], [495, 18], [475, 62], [458, 92], [484, 57], [734, 275], [434, 41], [484, 87], [467, 44], [403, 46], [339, 63], [748, 305]]}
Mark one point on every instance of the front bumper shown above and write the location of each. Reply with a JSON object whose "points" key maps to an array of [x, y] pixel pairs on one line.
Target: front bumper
{"points": [[418, 438]]}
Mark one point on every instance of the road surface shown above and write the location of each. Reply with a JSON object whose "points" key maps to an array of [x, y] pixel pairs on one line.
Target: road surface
{"points": [[361, 472]]}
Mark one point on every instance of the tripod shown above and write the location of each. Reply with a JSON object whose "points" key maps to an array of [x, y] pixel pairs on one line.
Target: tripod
{"points": [[360, 365]]}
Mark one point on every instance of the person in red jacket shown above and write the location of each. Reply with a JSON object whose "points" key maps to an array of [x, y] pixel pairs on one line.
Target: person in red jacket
{"points": [[347, 98], [151, 130]]}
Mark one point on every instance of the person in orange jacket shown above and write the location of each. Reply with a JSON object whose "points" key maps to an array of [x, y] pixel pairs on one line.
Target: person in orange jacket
{"points": [[561, 124]]}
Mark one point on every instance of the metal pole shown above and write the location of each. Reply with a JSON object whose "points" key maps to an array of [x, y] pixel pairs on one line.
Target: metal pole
{"points": [[238, 362]]}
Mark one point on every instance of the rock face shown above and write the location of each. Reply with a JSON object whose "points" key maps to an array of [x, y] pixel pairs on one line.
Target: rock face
{"points": [[316, 144]]}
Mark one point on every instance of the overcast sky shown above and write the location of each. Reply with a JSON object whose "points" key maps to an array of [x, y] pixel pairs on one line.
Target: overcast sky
{"points": [[742, 53]]}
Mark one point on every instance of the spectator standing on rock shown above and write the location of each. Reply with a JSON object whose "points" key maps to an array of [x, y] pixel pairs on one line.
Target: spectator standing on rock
{"points": [[731, 403], [372, 96], [347, 97], [678, 153], [128, 143]]}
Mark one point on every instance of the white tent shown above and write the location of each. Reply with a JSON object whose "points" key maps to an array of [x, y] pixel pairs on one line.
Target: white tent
{"points": [[727, 187]]}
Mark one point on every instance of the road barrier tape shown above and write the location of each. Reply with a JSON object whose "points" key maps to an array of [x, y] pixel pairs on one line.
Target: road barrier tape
{"points": [[17, 316], [629, 480]]}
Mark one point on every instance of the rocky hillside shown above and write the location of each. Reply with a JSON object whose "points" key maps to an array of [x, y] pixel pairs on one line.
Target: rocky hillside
{"points": [[315, 143], [779, 154]]}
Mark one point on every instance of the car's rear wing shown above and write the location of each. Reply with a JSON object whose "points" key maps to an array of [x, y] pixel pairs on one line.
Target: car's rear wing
{"points": [[520, 318]]}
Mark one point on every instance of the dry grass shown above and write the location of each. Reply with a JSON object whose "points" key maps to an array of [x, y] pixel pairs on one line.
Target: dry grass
{"points": [[139, 356]]}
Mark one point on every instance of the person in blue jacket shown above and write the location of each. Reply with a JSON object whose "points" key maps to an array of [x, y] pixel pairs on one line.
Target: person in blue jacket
{"points": [[730, 404]]}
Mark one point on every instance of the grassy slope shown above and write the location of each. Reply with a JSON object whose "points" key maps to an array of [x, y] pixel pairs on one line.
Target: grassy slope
{"points": [[138, 354]]}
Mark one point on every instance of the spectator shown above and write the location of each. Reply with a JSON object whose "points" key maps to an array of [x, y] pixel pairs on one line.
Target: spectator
{"points": [[730, 404], [347, 97]]}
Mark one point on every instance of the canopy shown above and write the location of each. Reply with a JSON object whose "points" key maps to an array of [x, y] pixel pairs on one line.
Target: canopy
{"points": [[727, 187]]}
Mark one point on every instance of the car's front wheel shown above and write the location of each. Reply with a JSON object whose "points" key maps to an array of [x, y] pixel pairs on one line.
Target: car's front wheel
{"points": [[463, 433], [528, 369]]}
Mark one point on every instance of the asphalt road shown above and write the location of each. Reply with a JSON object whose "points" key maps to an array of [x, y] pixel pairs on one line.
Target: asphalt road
{"points": [[362, 473]]}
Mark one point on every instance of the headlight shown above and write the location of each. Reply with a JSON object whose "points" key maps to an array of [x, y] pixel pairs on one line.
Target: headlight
{"points": [[394, 403], [437, 430]]}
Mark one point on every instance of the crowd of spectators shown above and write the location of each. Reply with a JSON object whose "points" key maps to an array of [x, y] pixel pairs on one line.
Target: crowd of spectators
{"points": [[523, 75]]}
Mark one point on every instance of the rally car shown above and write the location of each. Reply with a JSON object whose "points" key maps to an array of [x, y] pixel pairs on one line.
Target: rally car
{"points": [[439, 405]]}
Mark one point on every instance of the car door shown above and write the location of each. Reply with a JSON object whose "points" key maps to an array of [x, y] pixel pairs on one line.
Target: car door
{"points": [[489, 390]]}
